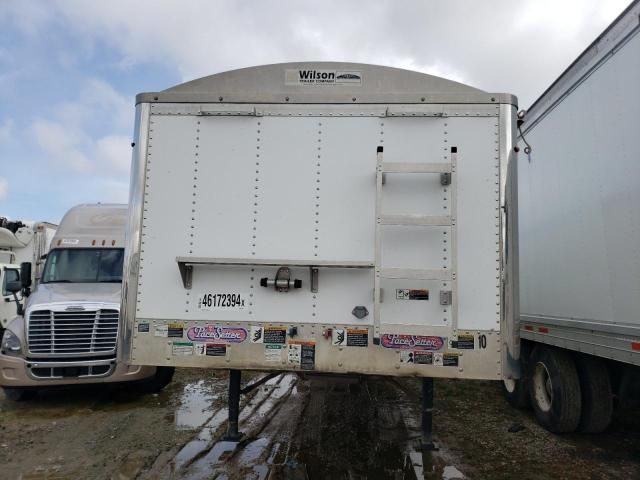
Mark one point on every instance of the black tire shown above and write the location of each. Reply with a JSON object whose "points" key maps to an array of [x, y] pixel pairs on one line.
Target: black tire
{"points": [[597, 395], [157, 382], [516, 393], [17, 394], [554, 389]]}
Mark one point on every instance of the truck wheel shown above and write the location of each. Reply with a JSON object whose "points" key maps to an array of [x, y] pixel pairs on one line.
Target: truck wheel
{"points": [[157, 382], [19, 394], [554, 389], [597, 396], [516, 393]]}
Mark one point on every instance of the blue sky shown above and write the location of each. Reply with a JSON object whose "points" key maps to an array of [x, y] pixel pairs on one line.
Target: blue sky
{"points": [[70, 70]]}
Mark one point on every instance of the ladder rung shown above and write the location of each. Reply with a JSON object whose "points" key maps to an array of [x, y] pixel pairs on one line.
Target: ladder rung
{"points": [[401, 167], [415, 220], [415, 274]]}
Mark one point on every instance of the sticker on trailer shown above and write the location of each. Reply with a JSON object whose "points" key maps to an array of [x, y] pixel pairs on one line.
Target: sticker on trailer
{"points": [[315, 76], [70, 241], [464, 342], [406, 356], [423, 358], [293, 354], [418, 357], [357, 337], [273, 353], [161, 331], [450, 360], [222, 301], [215, 332], [412, 294], [210, 349], [143, 328], [437, 359], [412, 342], [339, 337], [302, 354], [350, 337], [175, 330], [181, 349], [256, 335], [276, 335]]}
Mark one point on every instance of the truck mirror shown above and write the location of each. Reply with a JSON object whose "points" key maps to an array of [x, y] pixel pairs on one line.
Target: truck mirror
{"points": [[25, 274], [13, 287]]}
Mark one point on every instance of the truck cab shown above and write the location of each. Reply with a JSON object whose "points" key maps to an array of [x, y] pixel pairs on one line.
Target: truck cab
{"points": [[20, 242], [68, 330], [9, 272]]}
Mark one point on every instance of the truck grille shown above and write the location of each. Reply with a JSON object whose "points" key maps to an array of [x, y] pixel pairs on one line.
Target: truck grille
{"points": [[82, 331]]}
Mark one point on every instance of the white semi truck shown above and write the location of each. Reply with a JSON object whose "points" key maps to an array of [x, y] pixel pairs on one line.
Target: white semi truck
{"points": [[579, 237], [20, 242], [325, 217], [68, 331]]}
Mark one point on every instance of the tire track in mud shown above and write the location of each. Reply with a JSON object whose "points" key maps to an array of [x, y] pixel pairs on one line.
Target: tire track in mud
{"points": [[312, 428], [208, 456]]}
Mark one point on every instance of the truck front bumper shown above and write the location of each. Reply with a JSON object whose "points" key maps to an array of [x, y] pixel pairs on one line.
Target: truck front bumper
{"points": [[20, 372]]}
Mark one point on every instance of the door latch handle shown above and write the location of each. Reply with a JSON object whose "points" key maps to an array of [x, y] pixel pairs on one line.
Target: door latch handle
{"points": [[283, 281]]}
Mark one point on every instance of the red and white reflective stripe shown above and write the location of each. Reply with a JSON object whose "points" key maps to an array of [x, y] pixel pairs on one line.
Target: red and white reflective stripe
{"points": [[543, 329], [529, 328], [635, 346]]}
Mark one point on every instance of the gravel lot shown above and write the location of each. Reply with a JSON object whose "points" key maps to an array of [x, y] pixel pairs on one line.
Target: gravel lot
{"points": [[299, 428]]}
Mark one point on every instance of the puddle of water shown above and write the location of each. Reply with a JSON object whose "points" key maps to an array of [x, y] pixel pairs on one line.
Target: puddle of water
{"points": [[195, 406], [252, 413], [253, 451], [204, 467], [451, 473], [202, 441]]}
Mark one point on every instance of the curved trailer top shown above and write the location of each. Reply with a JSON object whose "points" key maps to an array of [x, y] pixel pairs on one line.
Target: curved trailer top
{"points": [[322, 216]]}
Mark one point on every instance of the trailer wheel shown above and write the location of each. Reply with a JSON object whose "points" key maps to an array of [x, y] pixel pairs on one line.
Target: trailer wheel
{"points": [[554, 389], [19, 394], [597, 395], [157, 382], [516, 393]]}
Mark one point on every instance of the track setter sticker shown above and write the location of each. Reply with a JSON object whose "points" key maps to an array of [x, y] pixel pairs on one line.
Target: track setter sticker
{"points": [[219, 301], [217, 333], [412, 342]]}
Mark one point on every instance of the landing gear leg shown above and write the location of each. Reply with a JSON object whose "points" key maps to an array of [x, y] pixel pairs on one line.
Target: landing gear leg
{"points": [[428, 445], [233, 435]]}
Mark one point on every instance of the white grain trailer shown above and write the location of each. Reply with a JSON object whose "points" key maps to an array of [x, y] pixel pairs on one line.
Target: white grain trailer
{"points": [[579, 225], [322, 217]]}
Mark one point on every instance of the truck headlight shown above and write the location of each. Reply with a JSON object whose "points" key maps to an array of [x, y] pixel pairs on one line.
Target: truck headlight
{"points": [[11, 343]]}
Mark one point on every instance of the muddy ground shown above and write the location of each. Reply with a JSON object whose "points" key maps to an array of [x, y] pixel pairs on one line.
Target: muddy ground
{"points": [[299, 428]]}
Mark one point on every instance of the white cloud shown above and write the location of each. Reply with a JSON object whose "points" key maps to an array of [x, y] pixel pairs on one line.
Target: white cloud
{"points": [[97, 102], [62, 144], [87, 134], [4, 188], [501, 46], [114, 152], [114, 191], [6, 130]]}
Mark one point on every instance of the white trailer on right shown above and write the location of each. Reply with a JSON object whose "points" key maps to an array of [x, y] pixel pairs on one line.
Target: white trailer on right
{"points": [[579, 237]]}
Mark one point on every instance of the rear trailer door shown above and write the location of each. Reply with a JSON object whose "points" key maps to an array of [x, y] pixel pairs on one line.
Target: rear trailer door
{"points": [[328, 238]]}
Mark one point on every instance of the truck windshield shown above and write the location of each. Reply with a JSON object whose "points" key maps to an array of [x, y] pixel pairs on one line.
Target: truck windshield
{"points": [[84, 265]]}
